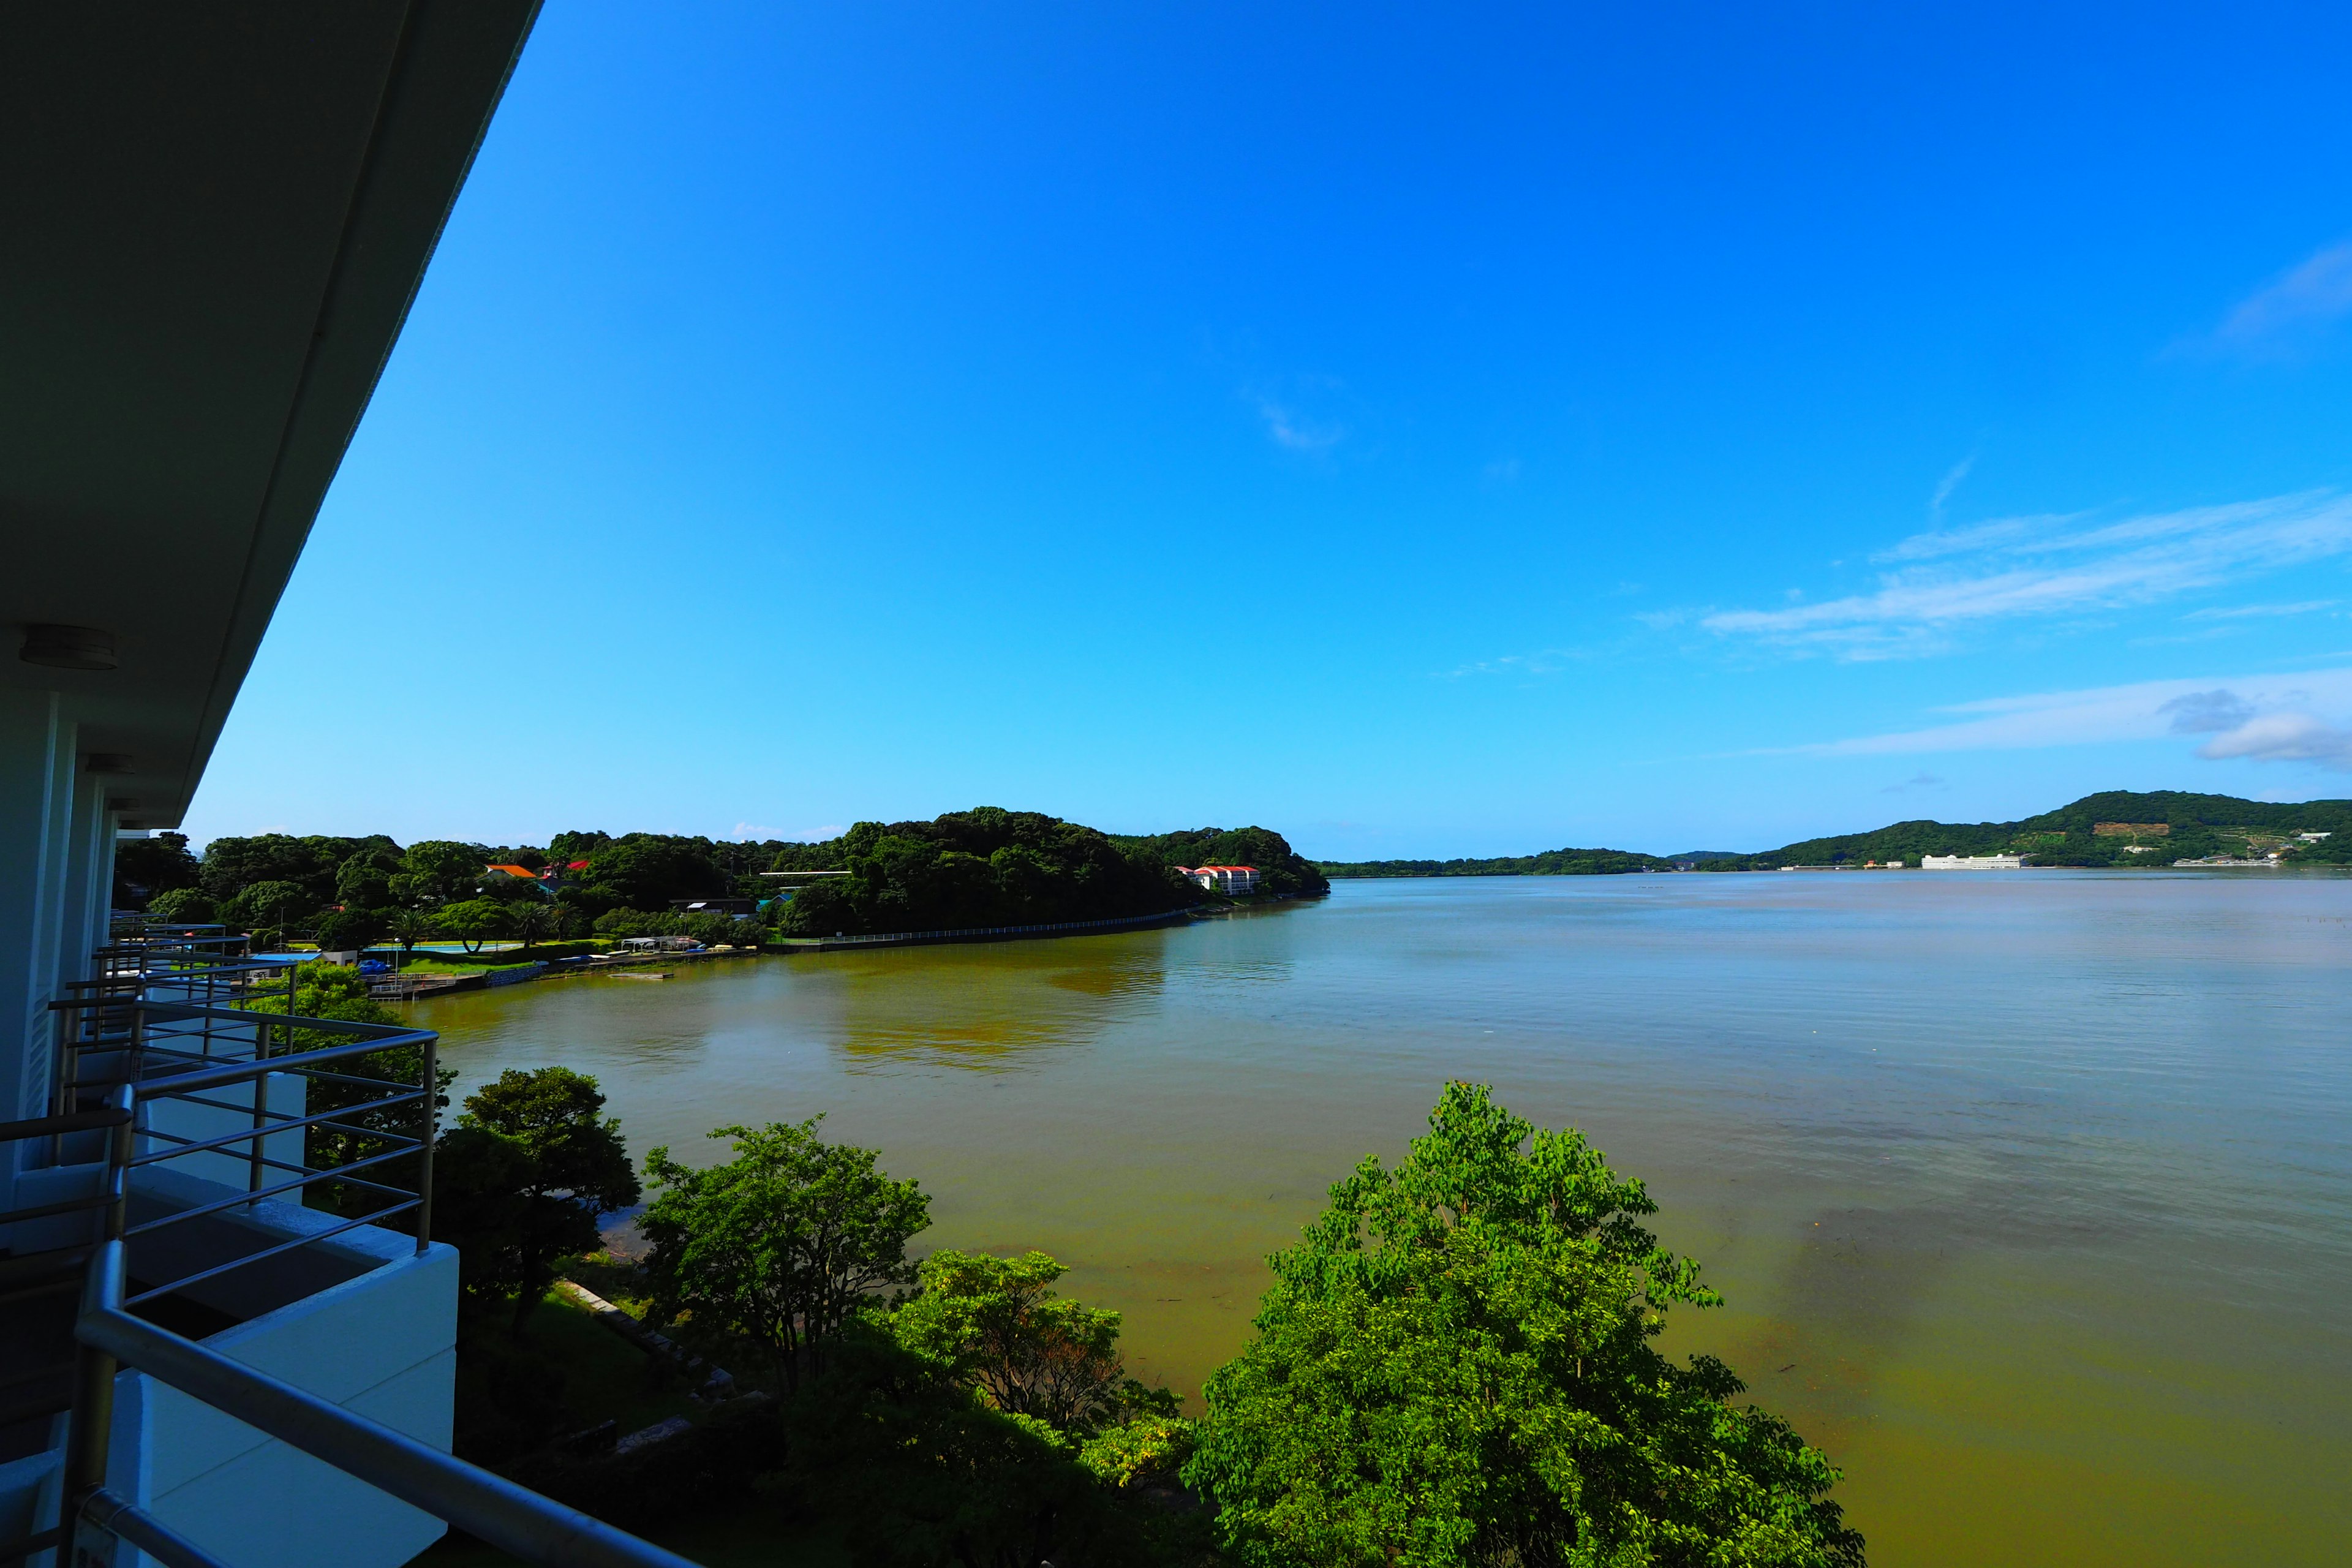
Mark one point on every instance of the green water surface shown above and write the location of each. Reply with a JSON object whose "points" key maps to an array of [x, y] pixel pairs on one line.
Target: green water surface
{"points": [[2031, 1193]]}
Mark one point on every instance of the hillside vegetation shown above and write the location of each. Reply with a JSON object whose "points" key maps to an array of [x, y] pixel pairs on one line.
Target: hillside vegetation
{"points": [[1551, 863], [2199, 825], [2195, 826]]}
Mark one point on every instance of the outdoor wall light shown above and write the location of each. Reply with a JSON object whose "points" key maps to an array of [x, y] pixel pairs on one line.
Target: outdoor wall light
{"points": [[69, 648]]}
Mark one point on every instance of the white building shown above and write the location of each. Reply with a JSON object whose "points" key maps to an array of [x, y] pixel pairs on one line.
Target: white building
{"points": [[1971, 862], [209, 257], [1233, 880]]}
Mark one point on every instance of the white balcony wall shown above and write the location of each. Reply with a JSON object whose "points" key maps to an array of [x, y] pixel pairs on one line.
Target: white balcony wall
{"points": [[382, 1344]]}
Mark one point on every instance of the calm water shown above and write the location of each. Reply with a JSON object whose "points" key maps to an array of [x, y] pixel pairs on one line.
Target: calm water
{"points": [[2031, 1193]]}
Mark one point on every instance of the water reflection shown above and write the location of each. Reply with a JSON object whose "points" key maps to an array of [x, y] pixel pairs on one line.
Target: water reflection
{"points": [[982, 1008]]}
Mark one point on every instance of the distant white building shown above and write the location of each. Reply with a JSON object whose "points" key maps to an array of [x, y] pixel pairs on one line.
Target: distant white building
{"points": [[1971, 862], [1233, 880], [2312, 838]]}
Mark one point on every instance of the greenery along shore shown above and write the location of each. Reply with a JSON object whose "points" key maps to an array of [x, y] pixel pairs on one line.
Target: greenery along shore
{"points": [[2143, 829], [1456, 1366], [970, 869]]}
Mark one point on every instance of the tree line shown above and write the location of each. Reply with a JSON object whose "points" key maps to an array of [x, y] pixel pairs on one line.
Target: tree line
{"points": [[987, 867], [1456, 1362], [2195, 826]]}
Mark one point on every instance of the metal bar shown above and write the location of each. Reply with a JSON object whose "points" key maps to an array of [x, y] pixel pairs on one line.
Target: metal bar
{"points": [[236, 1263], [77, 1121], [89, 1430], [429, 1090], [285, 1123], [70, 1205], [492, 1508], [114, 1514], [237, 1072], [176, 1215], [24, 1546]]}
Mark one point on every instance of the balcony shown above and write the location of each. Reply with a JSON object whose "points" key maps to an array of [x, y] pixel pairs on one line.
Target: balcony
{"points": [[232, 1203]]}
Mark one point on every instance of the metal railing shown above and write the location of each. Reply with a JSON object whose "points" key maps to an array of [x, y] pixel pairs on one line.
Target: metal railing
{"points": [[169, 1024]]}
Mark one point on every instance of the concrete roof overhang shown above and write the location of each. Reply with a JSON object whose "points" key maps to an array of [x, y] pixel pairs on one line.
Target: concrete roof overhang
{"points": [[212, 221]]}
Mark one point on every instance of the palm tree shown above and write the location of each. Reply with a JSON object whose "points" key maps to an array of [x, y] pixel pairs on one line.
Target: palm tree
{"points": [[530, 922], [410, 927]]}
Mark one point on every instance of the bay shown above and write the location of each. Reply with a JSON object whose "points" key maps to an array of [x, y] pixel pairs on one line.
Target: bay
{"points": [[2030, 1194]]}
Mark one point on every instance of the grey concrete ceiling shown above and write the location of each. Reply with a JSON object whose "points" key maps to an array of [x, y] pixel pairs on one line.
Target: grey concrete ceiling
{"points": [[211, 220]]}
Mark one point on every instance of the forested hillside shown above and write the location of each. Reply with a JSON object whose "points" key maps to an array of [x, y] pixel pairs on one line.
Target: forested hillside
{"points": [[1283, 872], [2197, 825], [975, 869], [1551, 863]]}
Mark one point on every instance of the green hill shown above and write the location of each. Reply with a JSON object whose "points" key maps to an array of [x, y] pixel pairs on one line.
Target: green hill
{"points": [[2193, 825], [1551, 863]]}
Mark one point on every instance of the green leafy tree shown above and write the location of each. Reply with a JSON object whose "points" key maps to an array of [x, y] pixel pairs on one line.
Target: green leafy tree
{"points": [[409, 927], [187, 905], [781, 1244], [530, 922], [540, 1164], [267, 906], [363, 882], [1455, 1366], [147, 868], [473, 921], [996, 1325], [437, 871], [350, 930]]}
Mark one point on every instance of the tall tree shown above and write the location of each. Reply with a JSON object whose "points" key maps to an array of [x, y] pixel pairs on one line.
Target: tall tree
{"points": [[1455, 1366], [559, 1163], [996, 1325], [780, 1244]]}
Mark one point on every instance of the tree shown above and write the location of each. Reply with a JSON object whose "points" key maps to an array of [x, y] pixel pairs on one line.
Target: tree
{"points": [[996, 1326], [409, 927], [350, 930], [473, 921], [530, 922], [1455, 1366], [267, 906], [187, 906], [562, 1163], [782, 1243], [147, 868], [437, 871]]}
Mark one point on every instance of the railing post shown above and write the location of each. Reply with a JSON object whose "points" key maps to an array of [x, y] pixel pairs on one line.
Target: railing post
{"points": [[89, 1432], [431, 1117]]}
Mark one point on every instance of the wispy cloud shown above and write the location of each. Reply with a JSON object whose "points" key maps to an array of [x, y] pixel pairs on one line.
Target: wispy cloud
{"points": [[1543, 662], [2266, 718], [2245, 612], [1950, 482], [1917, 781], [2288, 314], [1291, 429], [2053, 565]]}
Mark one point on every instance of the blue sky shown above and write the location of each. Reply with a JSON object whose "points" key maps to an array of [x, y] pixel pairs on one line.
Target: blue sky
{"points": [[1424, 431]]}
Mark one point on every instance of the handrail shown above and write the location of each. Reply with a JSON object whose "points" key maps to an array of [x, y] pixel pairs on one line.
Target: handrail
{"points": [[512, 1518]]}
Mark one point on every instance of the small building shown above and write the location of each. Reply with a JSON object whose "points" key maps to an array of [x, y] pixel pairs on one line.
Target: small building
{"points": [[1231, 880], [715, 905], [1971, 862], [519, 873], [2314, 837]]}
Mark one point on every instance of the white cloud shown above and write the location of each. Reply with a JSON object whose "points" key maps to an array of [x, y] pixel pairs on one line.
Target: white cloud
{"points": [[2051, 565], [2241, 612], [1291, 429], [2266, 718], [2286, 313], [1917, 781], [2284, 738], [1951, 481]]}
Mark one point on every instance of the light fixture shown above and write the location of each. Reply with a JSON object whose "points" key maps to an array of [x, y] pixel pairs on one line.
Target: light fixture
{"points": [[69, 648], [106, 762]]}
